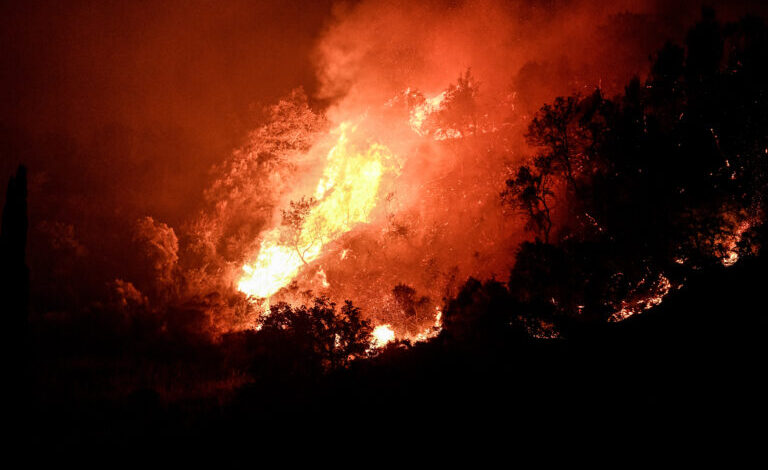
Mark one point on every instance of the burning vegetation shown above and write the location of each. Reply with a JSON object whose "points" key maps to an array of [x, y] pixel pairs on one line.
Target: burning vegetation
{"points": [[411, 211], [409, 198], [393, 197], [383, 216]]}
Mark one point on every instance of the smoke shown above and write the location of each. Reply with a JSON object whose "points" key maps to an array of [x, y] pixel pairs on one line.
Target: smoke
{"points": [[159, 246], [120, 112], [475, 71], [449, 88], [127, 298]]}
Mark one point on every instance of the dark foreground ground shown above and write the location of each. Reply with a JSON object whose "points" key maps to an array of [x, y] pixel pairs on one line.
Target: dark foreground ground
{"points": [[694, 367]]}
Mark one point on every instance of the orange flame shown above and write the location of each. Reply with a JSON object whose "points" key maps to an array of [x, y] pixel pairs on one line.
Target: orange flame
{"points": [[420, 113], [346, 194], [382, 335]]}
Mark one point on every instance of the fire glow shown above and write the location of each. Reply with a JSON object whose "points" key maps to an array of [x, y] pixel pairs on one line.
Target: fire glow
{"points": [[382, 335], [345, 195]]}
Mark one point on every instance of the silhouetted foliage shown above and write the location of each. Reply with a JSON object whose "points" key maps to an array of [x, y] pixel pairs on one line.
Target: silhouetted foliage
{"points": [[14, 301], [458, 113], [480, 315], [656, 183], [528, 192], [659, 181], [14, 274], [415, 310], [313, 339]]}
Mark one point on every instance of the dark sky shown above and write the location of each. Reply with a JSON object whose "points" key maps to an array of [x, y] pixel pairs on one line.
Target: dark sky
{"points": [[137, 99], [172, 77]]}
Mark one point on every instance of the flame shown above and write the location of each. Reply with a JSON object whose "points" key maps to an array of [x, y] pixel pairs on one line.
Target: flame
{"points": [[421, 112], [731, 244], [346, 194], [382, 335], [432, 331], [630, 307]]}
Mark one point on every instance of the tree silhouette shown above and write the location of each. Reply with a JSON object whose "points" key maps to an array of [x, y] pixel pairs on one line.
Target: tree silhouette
{"points": [[14, 274], [552, 130], [414, 310], [458, 113], [480, 316], [528, 192], [14, 299], [321, 337], [652, 184]]}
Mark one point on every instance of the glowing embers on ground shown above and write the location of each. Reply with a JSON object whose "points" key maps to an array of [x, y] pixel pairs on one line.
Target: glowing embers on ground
{"points": [[731, 244], [345, 196], [647, 296], [643, 299]]}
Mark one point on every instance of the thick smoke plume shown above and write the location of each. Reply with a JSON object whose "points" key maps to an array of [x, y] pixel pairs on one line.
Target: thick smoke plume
{"points": [[449, 87]]}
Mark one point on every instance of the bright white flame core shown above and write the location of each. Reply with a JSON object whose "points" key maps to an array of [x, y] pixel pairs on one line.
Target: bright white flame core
{"points": [[346, 193], [382, 335]]}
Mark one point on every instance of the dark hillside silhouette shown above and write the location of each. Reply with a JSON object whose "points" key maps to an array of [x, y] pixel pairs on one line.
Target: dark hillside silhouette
{"points": [[637, 307], [635, 193], [14, 274], [14, 304]]}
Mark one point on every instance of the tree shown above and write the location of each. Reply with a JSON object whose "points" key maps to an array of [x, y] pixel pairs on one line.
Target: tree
{"points": [[14, 293], [552, 131], [528, 192], [321, 335], [239, 208], [296, 234], [568, 138], [655, 183], [14, 273], [413, 310], [458, 112], [480, 316]]}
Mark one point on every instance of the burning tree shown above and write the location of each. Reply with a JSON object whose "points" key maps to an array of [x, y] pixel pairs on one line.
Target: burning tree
{"points": [[458, 112], [239, 206], [301, 238]]}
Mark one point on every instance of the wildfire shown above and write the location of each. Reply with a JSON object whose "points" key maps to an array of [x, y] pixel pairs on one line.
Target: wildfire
{"points": [[382, 335], [654, 297], [345, 196], [731, 244], [421, 112], [433, 330]]}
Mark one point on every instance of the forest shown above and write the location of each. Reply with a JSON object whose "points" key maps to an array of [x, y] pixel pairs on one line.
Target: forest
{"points": [[632, 304]]}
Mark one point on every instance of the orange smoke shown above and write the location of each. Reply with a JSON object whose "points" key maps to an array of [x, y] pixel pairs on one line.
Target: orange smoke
{"points": [[405, 190]]}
